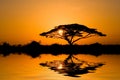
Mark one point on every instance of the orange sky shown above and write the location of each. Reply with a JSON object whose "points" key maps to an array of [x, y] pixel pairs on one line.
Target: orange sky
{"points": [[21, 21]]}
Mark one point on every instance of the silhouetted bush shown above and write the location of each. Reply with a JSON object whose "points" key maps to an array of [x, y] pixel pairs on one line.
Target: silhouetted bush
{"points": [[34, 49]]}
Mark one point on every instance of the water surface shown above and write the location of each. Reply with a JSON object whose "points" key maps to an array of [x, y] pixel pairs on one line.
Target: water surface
{"points": [[24, 67]]}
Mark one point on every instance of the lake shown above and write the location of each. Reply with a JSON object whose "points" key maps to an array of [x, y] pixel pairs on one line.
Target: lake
{"points": [[24, 67]]}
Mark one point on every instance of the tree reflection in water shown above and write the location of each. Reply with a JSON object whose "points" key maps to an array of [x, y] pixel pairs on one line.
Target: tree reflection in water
{"points": [[70, 68], [72, 33]]}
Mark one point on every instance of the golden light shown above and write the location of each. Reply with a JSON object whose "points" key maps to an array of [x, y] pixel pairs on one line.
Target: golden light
{"points": [[60, 32], [60, 66]]}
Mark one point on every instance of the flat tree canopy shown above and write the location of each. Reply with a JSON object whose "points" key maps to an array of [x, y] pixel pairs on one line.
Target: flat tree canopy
{"points": [[72, 32]]}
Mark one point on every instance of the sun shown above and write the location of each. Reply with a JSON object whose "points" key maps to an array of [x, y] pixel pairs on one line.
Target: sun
{"points": [[60, 32]]}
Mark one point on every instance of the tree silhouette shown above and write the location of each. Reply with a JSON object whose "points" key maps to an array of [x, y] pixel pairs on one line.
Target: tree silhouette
{"points": [[72, 33]]}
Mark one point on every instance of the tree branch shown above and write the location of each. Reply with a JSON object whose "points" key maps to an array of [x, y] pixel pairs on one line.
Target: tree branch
{"points": [[71, 38], [87, 36], [67, 39]]}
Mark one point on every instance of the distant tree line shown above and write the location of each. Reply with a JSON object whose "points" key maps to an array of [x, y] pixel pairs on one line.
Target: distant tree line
{"points": [[34, 49]]}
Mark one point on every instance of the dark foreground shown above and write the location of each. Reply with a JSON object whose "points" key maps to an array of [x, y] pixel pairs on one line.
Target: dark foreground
{"points": [[34, 49]]}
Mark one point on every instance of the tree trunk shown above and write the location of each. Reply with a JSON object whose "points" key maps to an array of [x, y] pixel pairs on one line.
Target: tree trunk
{"points": [[70, 55]]}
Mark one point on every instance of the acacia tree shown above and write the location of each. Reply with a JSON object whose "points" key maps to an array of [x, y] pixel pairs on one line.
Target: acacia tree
{"points": [[72, 33]]}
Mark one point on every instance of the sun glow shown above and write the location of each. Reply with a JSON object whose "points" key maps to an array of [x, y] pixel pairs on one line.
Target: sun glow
{"points": [[60, 32]]}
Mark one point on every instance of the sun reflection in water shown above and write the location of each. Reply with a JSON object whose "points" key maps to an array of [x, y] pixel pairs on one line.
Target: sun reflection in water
{"points": [[60, 66]]}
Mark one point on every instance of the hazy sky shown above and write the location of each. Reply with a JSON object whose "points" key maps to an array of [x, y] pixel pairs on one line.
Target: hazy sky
{"points": [[21, 21]]}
